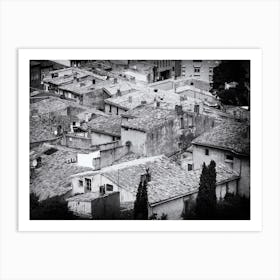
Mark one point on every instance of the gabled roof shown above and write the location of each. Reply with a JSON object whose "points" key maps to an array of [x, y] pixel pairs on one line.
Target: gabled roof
{"points": [[133, 99], [168, 180], [109, 124], [51, 179], [42, 128], [56, 104], [230, 136], [147, 117]]}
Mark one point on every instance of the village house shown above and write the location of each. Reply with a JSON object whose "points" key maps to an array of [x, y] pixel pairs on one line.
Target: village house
{"points": [[50, 178], [171, 190], [152, 130], [229, 144], [199, 69], [88, 92], [63, 77], [98, 131], [122, 103], [48, 129]]}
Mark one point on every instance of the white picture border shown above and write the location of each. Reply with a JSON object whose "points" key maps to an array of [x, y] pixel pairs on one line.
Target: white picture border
{"points": [[254, 224]]}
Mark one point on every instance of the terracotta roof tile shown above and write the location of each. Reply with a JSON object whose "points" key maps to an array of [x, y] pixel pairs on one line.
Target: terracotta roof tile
{"points": [[52, 178], [168, 180], [233, 136]]}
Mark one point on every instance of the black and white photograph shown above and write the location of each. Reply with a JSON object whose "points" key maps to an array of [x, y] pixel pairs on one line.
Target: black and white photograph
{"points": [[139, 139]]}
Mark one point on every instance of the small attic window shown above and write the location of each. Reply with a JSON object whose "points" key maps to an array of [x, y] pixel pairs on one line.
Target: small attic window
{"points": [[50, 151]]}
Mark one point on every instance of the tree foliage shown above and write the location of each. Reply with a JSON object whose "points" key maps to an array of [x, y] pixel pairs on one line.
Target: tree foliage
{"points": [[237, 71], [50, 209], [206, 200], [141, 202]]}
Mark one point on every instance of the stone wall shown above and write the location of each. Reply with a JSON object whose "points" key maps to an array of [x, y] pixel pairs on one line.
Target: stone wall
{"points": [[107, 207], [107, 157], [80, 142]]}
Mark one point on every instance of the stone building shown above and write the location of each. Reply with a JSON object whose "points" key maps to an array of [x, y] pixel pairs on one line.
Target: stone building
{"points": [[199, 69], [229, 144], [171, 190]]}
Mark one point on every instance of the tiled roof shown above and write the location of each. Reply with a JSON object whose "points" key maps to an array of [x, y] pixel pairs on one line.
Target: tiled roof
{"points": [[55, 104], [134, 99], [52, 104], [124, 87], [147, 117], [128, 157], [232, 136], [168, 180], [42, 128], [80, 88], [51, 179], [106, 124], [69, 78]]}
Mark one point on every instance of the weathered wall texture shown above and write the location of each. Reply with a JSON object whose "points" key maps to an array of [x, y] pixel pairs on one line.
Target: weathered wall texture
{"points": [[74, 141], [95, 99], [81, 208], [108, 156], [106, 208], [98, 138], [164, 139], [136, 138]]}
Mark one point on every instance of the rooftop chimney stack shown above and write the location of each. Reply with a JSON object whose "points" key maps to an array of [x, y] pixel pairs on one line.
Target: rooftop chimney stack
{"points": [[93, 81], [119, 92]]}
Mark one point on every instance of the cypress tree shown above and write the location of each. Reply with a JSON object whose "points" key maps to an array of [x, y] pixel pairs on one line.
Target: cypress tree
{"points": [[206, 198], [141, 202]]}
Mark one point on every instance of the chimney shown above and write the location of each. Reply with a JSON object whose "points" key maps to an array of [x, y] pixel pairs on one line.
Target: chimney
{"points": [[130, 99], [71, 128], [155, 90], [86, 117], [119, 92], [93, 81], [115, 80]]}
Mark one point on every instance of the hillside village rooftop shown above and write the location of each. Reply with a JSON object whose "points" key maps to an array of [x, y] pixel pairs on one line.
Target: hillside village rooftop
{"points": [[51, 179], [109, 124], [230, 136], [66, 75], [56, 104], [148, 96], [168, 180], [147, 117]]}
